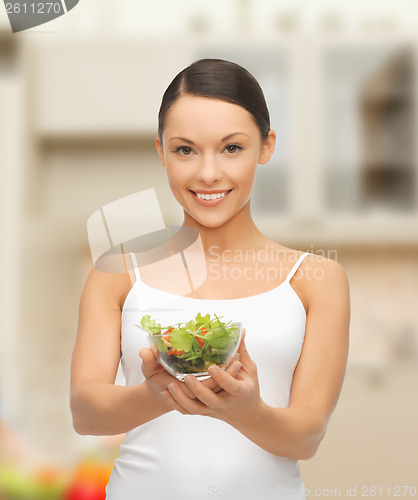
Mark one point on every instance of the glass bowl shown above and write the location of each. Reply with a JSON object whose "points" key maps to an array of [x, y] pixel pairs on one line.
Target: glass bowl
{"points": [[218, 351]]}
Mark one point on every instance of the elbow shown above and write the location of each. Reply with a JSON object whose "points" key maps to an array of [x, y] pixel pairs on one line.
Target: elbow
{"points": [[78, 424], [78, 412], [309, 442], [85, 428], [305, 451], [79, 429], [311, 446], [308, 452], [302, 452]]}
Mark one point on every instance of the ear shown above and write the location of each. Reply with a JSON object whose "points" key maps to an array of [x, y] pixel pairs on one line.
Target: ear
{"points": [[267, 148], [160, 150]]}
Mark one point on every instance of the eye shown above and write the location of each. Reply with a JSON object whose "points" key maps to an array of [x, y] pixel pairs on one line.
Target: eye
{"points": [[184, 150], [232, 148]]}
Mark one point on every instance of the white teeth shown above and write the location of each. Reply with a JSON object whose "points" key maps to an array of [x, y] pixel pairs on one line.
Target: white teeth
{"points": [[211, 196]]}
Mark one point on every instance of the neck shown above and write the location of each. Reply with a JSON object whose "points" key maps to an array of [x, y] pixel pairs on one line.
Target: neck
{"points": [[240, 232]]}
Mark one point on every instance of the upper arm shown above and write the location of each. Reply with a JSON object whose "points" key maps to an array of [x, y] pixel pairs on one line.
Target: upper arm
{"points": [[97, 348], [319, 374]]}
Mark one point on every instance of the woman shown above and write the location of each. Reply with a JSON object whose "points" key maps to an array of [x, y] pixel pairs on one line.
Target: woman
{"points": [[241, 432]]}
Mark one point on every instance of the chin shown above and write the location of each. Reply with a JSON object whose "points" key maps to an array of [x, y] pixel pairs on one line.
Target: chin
{"points": [[210, 222]]}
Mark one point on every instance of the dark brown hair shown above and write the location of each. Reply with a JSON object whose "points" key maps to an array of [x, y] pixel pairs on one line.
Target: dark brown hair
{"points": [[218, 79]]}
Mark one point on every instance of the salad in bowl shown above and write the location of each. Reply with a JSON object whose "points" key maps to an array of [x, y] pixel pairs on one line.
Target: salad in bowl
{"points": [[193, 346]]}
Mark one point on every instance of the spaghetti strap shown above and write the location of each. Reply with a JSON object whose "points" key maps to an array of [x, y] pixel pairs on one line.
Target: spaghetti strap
{"points": [[295, 267], [135, 266]]}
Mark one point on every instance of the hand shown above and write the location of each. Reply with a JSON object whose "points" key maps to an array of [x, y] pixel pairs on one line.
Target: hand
{"points": [[159, 379], [235, 404]]}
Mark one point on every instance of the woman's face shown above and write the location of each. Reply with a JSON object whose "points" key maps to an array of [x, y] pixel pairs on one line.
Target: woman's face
{"points": [[211, 149]]}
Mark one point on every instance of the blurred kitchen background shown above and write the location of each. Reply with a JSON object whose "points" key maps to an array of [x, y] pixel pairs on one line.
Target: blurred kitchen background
{"points": [[79, 99]]}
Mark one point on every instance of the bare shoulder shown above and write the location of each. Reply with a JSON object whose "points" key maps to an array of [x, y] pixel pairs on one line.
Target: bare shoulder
{"points": [[108, 289], [325, 281], [313, 265], [324, 271], [316, 278]]}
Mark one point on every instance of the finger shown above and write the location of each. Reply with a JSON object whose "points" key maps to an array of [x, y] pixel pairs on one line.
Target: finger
{"points": [[155, 352], [233, 370], [150, 366], [168, 398], [148, 357], [193, 406], [187, 391], [229, 384], [231, 360], [245, 357], [235, 358], [208, 397], [211, 384]]}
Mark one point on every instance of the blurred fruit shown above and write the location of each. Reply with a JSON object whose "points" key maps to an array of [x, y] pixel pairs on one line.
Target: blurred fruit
{"points": [[85, 492], [50, 484], [13, 484], [44, 484], [89, 481]]}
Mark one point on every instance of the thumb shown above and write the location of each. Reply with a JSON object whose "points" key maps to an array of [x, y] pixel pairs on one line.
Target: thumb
{"points": [[150, 365], [148, 357]]}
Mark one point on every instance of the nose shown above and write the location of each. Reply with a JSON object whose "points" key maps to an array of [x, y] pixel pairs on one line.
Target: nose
{"points": [[209, 170]]}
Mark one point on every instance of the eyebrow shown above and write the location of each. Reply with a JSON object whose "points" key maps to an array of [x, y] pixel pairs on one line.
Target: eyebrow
{"points": [[232, 135], [223, 138]]}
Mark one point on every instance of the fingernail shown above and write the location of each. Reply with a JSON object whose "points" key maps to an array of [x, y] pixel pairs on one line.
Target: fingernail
{"points": [[236, 357], [213, 370], [238, 366], [172, 388], [163, 395], [190, 380]]}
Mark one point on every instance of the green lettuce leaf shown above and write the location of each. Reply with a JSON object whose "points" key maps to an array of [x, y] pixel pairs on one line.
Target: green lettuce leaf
{"points": [[181, 340], [202, 320], [217, 338], [150, 324]]}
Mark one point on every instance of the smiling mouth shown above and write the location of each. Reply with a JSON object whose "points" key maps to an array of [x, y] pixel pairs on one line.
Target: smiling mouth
{"points": [[211, 196]]}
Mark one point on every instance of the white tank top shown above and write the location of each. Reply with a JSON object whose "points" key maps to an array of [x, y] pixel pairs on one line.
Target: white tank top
{"points": [[193, 457]]}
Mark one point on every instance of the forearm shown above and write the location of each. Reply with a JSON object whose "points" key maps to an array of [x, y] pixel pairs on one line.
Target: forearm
{"points": [[105, 409], [288, 432]]}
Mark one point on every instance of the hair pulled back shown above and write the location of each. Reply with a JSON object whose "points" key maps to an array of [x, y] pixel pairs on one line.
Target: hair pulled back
{"points": [[218, 79]]}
